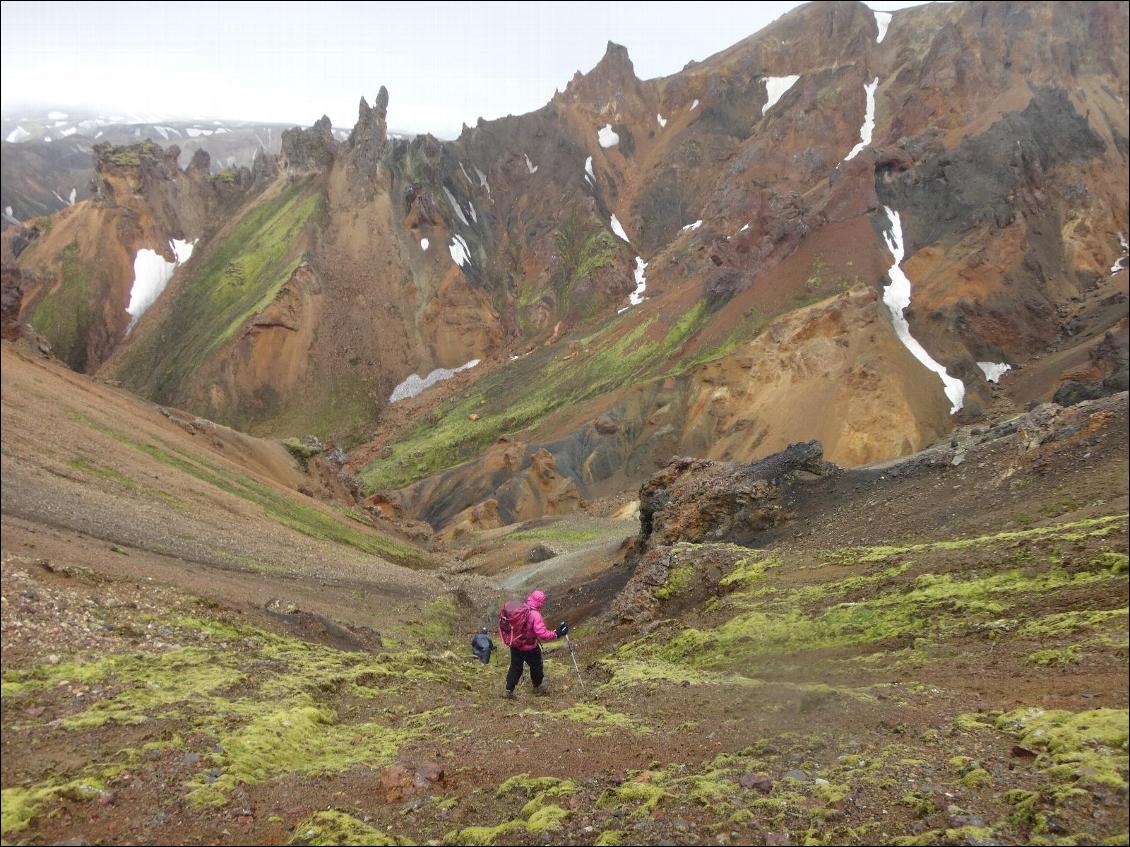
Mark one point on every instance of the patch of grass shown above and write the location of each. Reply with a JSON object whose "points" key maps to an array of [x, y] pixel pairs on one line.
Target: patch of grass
{"points": [[62, 311], [558, 532]]}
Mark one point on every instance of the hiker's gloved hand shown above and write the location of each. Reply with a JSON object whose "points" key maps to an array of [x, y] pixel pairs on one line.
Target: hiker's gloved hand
{"points": [[562, 629]]}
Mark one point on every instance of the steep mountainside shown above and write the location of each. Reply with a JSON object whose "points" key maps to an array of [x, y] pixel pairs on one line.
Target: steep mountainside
{"points": [[780, 242]]}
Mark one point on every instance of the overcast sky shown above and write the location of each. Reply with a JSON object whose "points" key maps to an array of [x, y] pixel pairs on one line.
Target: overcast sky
{"points": [[444, 64]]}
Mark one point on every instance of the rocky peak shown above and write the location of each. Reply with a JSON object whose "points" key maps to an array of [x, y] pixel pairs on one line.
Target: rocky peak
{"points": [[134, 164], [613, 81], [201, 162], [615, 64], [370, 133], [264, 168], [307, 150]]}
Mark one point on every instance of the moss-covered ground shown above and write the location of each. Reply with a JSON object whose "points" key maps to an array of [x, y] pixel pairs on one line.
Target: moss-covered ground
{"points": [[854, 695]]}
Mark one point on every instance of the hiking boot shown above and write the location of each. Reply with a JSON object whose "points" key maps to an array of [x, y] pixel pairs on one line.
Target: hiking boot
{"points": [[508, 695], [541, 690]]}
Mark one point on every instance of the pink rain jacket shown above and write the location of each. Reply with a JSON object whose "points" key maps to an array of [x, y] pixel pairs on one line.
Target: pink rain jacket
{"points": [[535, 625]]}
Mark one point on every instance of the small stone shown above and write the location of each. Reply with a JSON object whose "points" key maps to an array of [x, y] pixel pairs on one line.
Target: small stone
{"points": [[778, 839], [758, 781], [797, 775], [53, 659]]}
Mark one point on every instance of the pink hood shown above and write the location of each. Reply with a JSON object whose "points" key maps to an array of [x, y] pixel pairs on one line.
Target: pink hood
{"points": [[536, 599]]}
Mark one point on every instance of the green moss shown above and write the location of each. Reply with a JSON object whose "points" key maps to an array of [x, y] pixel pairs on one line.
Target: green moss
{"points": [[302, 452], [1065, 623], [1088, 748], [438, 619], [584, 246], [679, 579], [230, 282], [536, 817], [749, 569], [154, 685], [334, 827], [21, 805], [921, 804], [960, 835], [125, 156], [644, 796], [609, 838], [599, 718], [300, 738], [62, 311], [559, 532], [975, 778], [1053, 657]]}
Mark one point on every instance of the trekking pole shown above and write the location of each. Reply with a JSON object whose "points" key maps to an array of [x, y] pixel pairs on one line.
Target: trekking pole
{"points": [[573, 656]]}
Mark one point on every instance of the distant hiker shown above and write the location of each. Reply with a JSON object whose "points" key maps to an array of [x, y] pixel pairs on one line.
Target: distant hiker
{"points": [[481, 646], [521, 627]]}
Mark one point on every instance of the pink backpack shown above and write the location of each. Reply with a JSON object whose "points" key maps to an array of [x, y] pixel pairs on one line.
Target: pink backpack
{"points": [[513, 625]]}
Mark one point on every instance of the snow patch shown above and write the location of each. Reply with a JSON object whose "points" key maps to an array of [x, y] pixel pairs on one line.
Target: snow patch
{"points": [[994, 370], [775, 88], [56, 116], [17, 135], [460, 253], [466, 175], [694, 105], [693, 227], [662, 121], [744, 228], [619, 230], [455, 206], [868, 120], [896, 296], [1120, 262], [414, 385], [69, 131], [164, 132], [196, 132], [151, 273], [9, 217], [424, 244], [530, 166], [636, 297], [483, 183], [607, 137], [73, 195], [589, 175], [882, 21]]}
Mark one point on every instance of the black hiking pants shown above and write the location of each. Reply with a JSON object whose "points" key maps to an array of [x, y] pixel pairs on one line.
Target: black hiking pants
{"points": [[529, 657]]}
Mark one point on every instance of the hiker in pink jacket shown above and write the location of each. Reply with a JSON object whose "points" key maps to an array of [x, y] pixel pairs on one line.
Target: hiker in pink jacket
{"points": [[521, 628]]}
